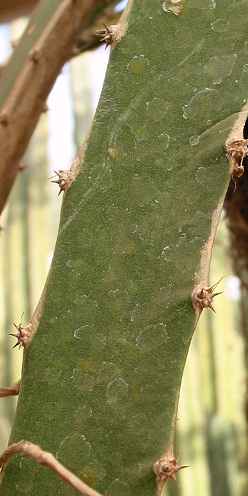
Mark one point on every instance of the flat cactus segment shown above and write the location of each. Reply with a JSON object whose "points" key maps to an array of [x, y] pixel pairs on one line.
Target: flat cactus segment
{"points": [[102, 375]]}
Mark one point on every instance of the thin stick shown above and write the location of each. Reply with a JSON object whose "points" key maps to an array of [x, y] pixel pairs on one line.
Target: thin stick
{"points": [[10, 391], [34, 451]]}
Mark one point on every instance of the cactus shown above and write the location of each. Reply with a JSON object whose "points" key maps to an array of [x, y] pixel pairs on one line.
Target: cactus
{"points": [[102, 375], [211, 417]]}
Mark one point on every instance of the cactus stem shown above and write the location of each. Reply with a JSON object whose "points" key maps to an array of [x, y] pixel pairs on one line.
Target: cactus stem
{"points": [[34, 451], [165, 469], [10, 391]]}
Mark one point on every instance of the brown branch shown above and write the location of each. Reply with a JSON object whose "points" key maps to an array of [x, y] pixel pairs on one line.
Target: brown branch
{"points": [[34, 451], [11, 9], [23, 100], [10, 391]]}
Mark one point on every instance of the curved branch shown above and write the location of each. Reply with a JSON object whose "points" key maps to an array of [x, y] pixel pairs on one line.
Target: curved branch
{"points": [[34, 451]]}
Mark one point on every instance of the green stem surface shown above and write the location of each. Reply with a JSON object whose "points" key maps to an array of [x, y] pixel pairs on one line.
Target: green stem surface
{"points": [[102, 376]]}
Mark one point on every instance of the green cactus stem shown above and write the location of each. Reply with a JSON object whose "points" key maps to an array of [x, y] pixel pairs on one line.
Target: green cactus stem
{"points": [[101, 378]]}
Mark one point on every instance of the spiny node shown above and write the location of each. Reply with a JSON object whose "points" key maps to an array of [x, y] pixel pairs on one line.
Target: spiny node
{"points": [[202, 297], [64, 179], [110, 35], [166, 468], [22, 334], [237, 150]]}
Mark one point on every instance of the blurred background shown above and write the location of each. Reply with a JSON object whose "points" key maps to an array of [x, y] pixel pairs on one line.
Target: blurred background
{"points": [[211, 427]]}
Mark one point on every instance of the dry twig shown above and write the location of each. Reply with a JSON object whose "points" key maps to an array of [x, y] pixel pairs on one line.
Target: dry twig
{"points": [[34, 451], [10, 391]]}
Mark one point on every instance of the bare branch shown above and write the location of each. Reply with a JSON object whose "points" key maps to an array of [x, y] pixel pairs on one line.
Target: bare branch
{"points": [[34, 451], [15, 8], [10, 391]]}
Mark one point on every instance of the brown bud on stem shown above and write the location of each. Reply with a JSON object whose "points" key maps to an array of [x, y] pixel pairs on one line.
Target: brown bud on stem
{"points": [[166, 468], [22, 334]]}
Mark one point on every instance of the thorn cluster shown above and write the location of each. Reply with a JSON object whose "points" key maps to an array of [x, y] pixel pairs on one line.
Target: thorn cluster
{"points": [[174, 6], [202, 297], [166, 468], [236, 152], [63, 179], [109, 34], [22, 335]]}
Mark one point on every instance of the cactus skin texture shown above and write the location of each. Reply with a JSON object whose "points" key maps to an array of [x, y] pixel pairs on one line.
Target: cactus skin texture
{"points": [[102, 375]]}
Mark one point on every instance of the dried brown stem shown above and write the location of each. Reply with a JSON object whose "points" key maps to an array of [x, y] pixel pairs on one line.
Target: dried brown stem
{"points": [[11, 9], [24, 99], [10, 391], [34, 451]]}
